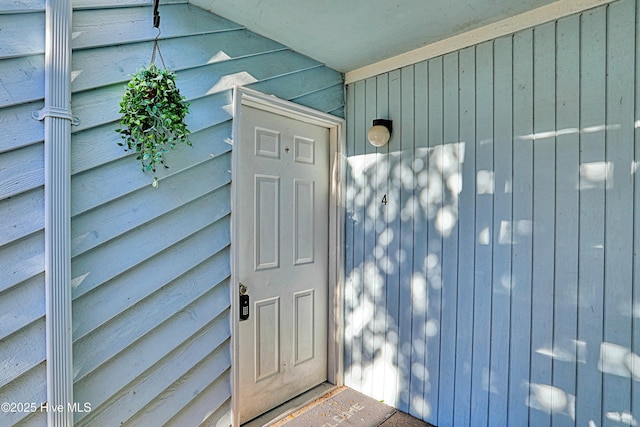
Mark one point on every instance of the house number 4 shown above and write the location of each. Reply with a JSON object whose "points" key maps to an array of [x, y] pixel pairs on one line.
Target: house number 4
{"points": [[384, 200]]}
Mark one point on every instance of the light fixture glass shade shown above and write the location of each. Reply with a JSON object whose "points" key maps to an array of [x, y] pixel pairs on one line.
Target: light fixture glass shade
{"points": [[378, 135]]}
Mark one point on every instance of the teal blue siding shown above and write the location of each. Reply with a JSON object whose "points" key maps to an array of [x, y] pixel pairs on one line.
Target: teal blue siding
{"points": [[151, 325], [506, 253], [150, 267], [567, 202], [393, 244], [501, 256], [635, 325], [22, 291], [520, 226], [484, 234], [466, 249], [405, 269], [592, 199], [619, 199], [450, 242]]}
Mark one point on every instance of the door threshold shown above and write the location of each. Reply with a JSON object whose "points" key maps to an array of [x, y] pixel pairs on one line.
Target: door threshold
{"points": [[290, 406]]}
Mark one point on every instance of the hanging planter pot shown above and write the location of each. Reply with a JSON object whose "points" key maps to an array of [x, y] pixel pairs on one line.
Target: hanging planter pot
{"points": [[153, 113]]}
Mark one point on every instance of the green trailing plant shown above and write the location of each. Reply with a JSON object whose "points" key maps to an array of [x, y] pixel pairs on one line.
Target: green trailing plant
{"points": [[153, 113]]}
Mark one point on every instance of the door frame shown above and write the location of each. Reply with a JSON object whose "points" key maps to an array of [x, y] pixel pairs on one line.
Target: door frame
{"points": [[337, 160]]}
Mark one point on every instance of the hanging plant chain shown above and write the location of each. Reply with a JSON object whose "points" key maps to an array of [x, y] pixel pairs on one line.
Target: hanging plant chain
{"points": [[156, 48]]}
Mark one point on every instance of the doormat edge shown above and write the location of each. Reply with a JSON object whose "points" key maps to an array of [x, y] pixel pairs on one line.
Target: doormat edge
{"points": [[346, 407]]}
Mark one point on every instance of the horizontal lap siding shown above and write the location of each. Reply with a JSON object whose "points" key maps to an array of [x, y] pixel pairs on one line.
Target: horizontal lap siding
{"points": [[151, 267], [22, 297], [497, 286]]}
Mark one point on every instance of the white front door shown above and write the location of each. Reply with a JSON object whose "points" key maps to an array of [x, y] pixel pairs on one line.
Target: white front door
{"points": [[282, 192]]}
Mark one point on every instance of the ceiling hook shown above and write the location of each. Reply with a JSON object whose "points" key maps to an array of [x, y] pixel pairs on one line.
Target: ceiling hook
{"points": [[156, 14]]}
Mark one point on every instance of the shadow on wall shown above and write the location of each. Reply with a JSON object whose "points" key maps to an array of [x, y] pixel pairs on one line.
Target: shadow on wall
{"points": [[420, 331], [400, 210]]}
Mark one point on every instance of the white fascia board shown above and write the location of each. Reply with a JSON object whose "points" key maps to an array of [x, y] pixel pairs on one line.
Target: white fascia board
{"points": [[532, 18]]}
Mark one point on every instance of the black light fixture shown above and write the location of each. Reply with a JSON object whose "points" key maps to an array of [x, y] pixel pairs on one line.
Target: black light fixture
{"points": [[380, 132]]}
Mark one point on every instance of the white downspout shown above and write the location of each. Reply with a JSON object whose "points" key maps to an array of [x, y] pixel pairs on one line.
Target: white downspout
{"points": [[57, 188]]}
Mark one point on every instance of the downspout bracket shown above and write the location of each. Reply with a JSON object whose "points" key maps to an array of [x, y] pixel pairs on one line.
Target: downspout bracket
{"points": [[61, 113]]}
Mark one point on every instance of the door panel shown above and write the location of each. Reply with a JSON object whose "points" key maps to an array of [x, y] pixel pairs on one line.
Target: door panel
{"points": [[267, 344], [282, 213], [304, 327], [267, 221], [303, 240], [267, 143]]}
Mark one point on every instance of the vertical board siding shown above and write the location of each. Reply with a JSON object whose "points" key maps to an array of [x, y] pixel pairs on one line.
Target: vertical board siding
{"points": [[151, 326], [593, 172], [419, 374], [521, 225], [22, 294], [502, 211], [450, 232], [507, 248], [355, 303], [382, 172], [544, 164], [405, 210], [392, 239], [567, 211], [370, 281], [431, 207], [483, 262], [635, 325], [466, 248], [618, 216], [349, 232]]}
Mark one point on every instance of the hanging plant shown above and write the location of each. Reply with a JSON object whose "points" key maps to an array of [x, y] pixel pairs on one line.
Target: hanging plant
{"points": [[153, 113]]}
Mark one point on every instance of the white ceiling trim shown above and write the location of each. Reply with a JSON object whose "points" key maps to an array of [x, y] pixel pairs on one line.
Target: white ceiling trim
{"points": [[501, 28]]}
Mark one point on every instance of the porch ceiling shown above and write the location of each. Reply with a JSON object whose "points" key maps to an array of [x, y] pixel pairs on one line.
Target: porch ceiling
{"points": [[349, 34]]}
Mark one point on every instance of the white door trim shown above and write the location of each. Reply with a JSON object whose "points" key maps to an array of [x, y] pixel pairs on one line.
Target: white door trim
{"points": [[335, 125]]}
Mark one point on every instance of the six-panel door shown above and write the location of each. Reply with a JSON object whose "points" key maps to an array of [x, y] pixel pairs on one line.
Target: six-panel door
{"points": [[283, 203]]}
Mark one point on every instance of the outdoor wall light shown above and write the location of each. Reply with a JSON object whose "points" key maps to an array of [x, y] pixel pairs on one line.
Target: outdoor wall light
{"points": [[380, 132]]}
